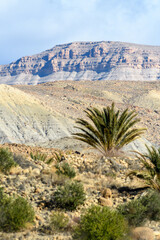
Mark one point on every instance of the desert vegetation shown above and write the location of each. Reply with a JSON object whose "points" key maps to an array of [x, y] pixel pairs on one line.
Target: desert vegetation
{"points": [[65, 169], [102, 224], [41, 157], [151, 168], [69, 196], [138, 211], [108, 130], [58, 221], [15, 213], [6, 160], [82, 196]]}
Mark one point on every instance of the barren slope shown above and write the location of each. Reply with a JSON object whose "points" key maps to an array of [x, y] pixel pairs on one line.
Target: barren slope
{"points": [[24, 119], [71, 98], [149, 100]]}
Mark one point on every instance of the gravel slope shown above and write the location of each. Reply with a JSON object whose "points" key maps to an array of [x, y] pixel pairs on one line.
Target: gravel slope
{"points": [[24, 119]]}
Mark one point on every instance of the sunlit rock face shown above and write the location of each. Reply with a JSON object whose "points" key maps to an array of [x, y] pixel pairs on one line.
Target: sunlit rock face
{"points": [[86, 61]]}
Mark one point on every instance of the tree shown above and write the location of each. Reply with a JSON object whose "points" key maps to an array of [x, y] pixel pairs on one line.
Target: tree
{"points": [[107, 129], [151, 168]]}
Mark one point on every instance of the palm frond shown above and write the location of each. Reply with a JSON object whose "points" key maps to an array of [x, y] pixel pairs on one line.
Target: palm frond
{"points": [[151, 164], [107, 129]]}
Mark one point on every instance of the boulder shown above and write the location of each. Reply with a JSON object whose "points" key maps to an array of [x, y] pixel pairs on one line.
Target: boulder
{"points": [[107, 193], [105, 202], [142, 233]]}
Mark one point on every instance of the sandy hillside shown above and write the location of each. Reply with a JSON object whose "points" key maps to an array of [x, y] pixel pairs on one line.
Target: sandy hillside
{"points": [[149, 100], [25, 119]]}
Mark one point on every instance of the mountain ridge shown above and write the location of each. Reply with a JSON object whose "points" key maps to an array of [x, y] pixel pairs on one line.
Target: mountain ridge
{"points": [[103, 60]]}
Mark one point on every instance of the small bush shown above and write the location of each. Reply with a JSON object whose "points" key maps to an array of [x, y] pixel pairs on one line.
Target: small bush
{"points": [[41, 157], [15, 213], [6, 160], [3, 197], [152, 202], [38, 156], [101, 223], [150, 172], [58, 221], [134, 211], [138, 211], [65, 169], [69, 196], [59, 156]]}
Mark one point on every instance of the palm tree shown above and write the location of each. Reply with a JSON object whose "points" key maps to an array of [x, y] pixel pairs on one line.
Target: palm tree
{"points": [[151, 168], [107, 129]]}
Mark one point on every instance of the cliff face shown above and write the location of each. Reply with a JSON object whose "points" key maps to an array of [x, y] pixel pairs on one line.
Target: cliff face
{"points": [[88, 60]]}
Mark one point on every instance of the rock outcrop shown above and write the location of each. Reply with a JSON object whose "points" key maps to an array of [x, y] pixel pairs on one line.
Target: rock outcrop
{"points": [[87, 61]]}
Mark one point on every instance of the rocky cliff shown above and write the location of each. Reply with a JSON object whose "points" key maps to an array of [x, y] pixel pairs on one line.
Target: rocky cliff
{"points": [[88, 61]]}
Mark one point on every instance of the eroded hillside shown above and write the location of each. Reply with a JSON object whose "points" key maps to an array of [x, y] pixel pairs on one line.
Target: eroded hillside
{"points": [[24, 119], [71, 98]]}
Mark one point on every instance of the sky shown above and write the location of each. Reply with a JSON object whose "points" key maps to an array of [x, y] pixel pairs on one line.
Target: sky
{"points": [[28, 27]]}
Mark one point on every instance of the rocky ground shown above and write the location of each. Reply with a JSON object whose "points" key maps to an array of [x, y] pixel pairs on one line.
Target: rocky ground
{"points": [[66, 100], [37, 181]]}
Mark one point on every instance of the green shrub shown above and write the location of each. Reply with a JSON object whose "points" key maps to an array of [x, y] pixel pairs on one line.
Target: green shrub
{"points": [[101, 223], [15, 213], [38, 156], [138, 211], [59, 156], [65, 169], [6, 160], [58, 221], [134, 211], [152, 202], [69, 196], [41, 157], [3, 197]]}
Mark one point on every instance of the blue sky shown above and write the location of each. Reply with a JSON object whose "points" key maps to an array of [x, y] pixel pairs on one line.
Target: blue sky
{"points": [[28, 27]]}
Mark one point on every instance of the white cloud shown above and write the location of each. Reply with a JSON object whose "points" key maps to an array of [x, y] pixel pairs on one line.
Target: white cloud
{"points": [[27, 27]]}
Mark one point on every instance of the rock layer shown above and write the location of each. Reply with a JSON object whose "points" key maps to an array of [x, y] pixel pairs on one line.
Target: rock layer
{"points": [[88, 61]]}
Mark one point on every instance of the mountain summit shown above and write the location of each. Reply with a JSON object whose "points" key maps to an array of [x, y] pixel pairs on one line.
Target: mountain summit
{"points": [[86, 61]]}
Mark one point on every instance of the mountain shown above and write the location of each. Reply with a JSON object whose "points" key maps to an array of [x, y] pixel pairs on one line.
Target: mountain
{"points": [[86, 61]]}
